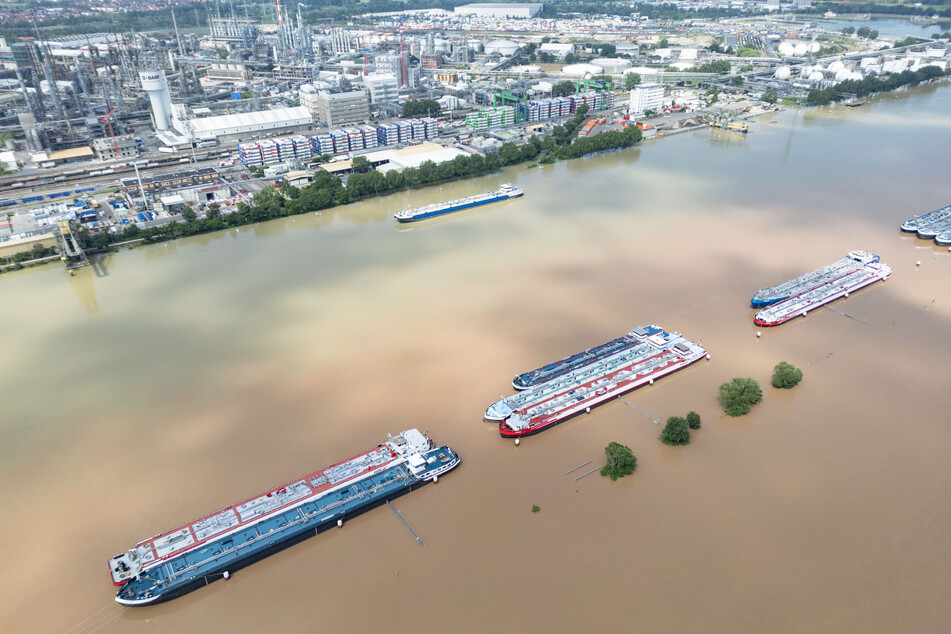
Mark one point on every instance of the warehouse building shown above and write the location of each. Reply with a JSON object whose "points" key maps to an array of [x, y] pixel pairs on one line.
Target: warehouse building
{"points": [[235, 127]]}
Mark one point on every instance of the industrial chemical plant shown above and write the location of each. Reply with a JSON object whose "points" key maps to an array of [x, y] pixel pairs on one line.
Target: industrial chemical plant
{"points": [[239, 100]]}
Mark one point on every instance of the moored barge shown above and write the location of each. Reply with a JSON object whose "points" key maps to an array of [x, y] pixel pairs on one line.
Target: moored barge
{"points": [[547, 404], [802, 304], [177, 561], [504, 192]]}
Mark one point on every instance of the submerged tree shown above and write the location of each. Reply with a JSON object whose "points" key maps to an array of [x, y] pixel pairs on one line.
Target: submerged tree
{"points": [[675, 432], [621, 461], [739, 395], [693, 420], [786, 375]]}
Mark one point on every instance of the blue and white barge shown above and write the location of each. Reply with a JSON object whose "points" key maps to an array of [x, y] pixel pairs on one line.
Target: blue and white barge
{"points": [[855, 260], [192, 555], [586, 357], [504, 192]]}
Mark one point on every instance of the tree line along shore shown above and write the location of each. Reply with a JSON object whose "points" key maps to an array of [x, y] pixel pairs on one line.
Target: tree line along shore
{"points": [[328, 191]]}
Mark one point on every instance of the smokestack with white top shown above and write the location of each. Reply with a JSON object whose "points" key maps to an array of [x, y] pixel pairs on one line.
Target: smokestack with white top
{"points": [[153, 82]]}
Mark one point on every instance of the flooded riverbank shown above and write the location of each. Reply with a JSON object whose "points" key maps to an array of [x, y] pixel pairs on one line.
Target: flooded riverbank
{"points": [[184, 376]]}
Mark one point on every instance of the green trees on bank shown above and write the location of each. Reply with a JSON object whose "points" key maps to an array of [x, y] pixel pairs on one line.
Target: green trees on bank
{"points": [[328, 190], [621, 461], [869, 85], [739, 395]]}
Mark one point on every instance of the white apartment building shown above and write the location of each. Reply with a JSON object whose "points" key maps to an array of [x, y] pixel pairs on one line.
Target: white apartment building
{"points": [[646, 97], [382, 87]]}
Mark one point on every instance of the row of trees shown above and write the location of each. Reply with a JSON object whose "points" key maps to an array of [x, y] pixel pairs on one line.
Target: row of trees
{"points": [[109, 22], [863, 32], [870, 85], [38, 251], [557, 8], [719, 66], [373, 182], [874, 7], [327, 190], [610, 140]]}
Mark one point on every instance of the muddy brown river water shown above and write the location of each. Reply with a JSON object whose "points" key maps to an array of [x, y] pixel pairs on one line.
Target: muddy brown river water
{"points": [[177, 378]]}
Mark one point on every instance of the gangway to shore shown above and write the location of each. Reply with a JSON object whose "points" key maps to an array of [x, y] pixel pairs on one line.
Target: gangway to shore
{"points": [[71, 252]]}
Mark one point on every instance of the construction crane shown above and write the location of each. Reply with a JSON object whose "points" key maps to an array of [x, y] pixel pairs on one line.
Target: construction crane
{"points": [[365, 49], [107, 119], [501, 97], [598, 85]]}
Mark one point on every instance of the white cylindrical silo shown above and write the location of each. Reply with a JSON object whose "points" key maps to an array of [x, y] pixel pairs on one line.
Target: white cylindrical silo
{"points": [[153, 82]]}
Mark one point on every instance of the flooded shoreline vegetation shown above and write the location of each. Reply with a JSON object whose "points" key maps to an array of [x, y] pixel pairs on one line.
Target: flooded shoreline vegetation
{"points": [[870, 85], [786, 375], [693, 420], [676, 431], [328, 191], [739, 395], [875, 8], [621, 461], [17, 259]]}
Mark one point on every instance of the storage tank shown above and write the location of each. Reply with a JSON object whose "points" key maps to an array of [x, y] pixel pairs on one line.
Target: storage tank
{"points": [[581, 70], [153, 82], [782, 72], [502, 47], [612, 65]]}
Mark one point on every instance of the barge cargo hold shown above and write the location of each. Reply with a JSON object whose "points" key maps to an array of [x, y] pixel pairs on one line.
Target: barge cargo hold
{"points": [[854, 261], [563, 366], [504, 192], [192, 555], [802, 304], [545, 405], [912, 225]]}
